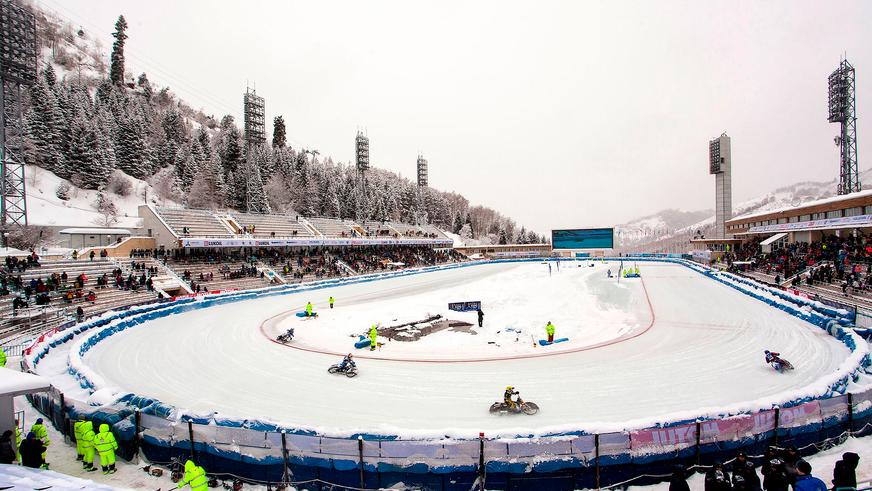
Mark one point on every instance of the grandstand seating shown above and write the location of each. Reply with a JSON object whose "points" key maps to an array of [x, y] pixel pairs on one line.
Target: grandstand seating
{"points": [[205, 223], [199, 223], [220, 270], [334, 227], [272, 225], [58, 310], [378, 229]]}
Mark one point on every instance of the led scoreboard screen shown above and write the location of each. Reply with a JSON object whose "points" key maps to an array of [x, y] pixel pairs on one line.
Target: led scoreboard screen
{"points": [[583, 238]]}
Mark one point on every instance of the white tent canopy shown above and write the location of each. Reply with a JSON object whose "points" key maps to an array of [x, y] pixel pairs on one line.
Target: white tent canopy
{"points": [[14, 383]]}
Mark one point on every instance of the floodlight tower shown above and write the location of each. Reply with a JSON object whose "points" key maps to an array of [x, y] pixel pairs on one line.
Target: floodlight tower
{"points": [[361, 152], [255, 136], [842, 109], [17, 70], [422, 183], [720, 164]]}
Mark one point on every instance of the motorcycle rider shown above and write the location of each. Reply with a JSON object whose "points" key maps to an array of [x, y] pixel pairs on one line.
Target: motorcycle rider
{"points": [[774, 359], [507, 397], [347, 363]]}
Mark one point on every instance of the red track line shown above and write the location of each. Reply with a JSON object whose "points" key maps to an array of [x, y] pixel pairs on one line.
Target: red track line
{"points": [[476, 360]]}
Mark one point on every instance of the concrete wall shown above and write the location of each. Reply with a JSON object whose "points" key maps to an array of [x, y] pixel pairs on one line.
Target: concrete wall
{"points": [[153, 226], [78, 241], [121, 249]]}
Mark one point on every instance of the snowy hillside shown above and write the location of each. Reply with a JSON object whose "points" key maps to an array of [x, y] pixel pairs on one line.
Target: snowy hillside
{"points": [[44, 207], [669, 229]]}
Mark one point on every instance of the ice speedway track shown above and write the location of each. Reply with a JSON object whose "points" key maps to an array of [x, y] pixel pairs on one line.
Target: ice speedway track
{"points": [[701, 350]]}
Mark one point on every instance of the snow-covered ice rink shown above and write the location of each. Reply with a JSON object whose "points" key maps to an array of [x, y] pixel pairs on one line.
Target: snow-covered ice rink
{"points": [[674, 344]]}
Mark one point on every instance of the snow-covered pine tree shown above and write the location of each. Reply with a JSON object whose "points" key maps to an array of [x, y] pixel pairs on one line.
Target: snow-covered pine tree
{"points": [[85, 161], [116, 71], [279, 137], [207, 190], [458, 224], [104, 92], [264, 162], [49, 76], [186, 165], [248, 191], [44, 123], [145, 86], [230, 149], [131, 149], [283, 159]]}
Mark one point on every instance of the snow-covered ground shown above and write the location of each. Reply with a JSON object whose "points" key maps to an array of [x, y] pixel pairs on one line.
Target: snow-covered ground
{"points": [[707, 339], [45, 208], [585, 306]]}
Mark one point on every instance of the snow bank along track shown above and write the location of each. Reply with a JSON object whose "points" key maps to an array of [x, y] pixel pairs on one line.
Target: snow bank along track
{"points": [[257, 448]]}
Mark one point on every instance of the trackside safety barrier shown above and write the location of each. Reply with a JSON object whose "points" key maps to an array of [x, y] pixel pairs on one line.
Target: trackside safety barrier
{"points": [[263, 452]]}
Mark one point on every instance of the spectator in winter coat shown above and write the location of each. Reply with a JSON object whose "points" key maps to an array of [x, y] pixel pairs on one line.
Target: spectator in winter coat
{"points": [[791, 457], [845, 472], [32, 451], [480, 318], [7, 448], [805, 481], [774, 473], [678, 481], [744, 475], [717, 479]]}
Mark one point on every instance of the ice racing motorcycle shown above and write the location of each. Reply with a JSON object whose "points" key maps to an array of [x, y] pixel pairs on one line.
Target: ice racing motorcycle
{"points": [[286, 337], [349, 370], [521, 406], [781, 365]]}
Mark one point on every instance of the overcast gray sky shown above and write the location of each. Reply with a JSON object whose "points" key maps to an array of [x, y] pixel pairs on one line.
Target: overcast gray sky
{"points": [[558, 114]]}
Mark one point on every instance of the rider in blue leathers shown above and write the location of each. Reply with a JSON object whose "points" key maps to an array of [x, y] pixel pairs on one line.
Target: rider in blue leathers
{"points": [[347, 362]]}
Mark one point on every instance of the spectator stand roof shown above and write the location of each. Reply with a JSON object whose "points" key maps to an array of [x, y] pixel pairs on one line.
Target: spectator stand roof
{"points": [[94, 231]]}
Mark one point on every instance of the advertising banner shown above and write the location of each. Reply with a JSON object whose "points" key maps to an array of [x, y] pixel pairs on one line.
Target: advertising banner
{"points": [[291, 242], [854, 221], [681, 436], [472, 306]]}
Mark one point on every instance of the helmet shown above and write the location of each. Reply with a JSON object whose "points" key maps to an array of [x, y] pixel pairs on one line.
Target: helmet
{"points": [[766, 351], [350, 355], [509, 387]]}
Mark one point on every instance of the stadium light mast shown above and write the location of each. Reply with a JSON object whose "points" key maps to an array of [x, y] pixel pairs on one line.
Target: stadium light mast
{"points": [[720, 164], [17, 69], [255, 137], [842, 109], [361, 154], [422, 183]]}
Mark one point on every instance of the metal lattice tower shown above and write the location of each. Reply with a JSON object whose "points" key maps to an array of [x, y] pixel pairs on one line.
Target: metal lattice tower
{"points": [[255, 136], [419, 193], [361, 154], [422, 172], [842, 107], [17, 69]]}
